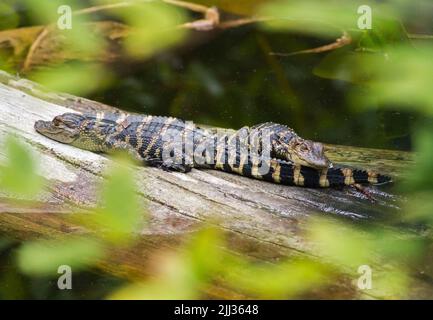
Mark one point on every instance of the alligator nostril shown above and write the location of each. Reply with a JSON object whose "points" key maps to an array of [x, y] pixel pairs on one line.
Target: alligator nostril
{"points": [[38, 124]]}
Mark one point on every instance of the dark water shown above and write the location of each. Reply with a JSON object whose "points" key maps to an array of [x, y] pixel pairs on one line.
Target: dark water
{"points": [[230, 79]]}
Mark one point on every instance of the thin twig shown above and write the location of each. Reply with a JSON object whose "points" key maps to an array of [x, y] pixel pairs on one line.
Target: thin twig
{"points": [[240, 22], [188, 5], [105, 7], [210, 21], [344, 40], [420, 36], [33, 47], [183, 4]]}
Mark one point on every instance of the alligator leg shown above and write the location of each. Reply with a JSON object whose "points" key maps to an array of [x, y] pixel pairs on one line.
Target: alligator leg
{"points": [[168, 165], [360, 188]]}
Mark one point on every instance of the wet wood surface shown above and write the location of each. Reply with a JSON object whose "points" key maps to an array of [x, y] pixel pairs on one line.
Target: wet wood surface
{"points": [[263, 220]]}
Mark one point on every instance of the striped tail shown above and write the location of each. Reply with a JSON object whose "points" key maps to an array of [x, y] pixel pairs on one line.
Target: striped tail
{"points": [[282, 172], [347, 176]]}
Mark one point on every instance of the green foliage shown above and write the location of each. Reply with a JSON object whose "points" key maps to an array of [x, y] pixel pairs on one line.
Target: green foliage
{"points": [[204, 253], [114, 223], [387, 252], [45, 11], [382, 59], [419, 184], [343, 65], [352, 247], [287, 279], [120, 215], [154, 26], [189, 273], [44, 257], [19, 173], [320, 18], [399, 76], [420, 207], [181, 275], [422, 175], [8, 16], [341, 244], [77, 79], [390, 283]]}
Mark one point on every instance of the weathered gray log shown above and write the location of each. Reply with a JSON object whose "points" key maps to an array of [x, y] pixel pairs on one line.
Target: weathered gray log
{"points": [[264, 221]]}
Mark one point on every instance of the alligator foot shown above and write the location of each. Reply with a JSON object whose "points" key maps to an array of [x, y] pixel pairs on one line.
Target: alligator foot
{"points": [[168, 165], [363, 190], [175, 167]]}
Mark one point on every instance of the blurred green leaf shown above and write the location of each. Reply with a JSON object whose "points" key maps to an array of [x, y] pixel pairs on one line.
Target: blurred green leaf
{"points": [[19, 174], [45, 256], [390, 284], [321, 18], [76, 78], [343, 64], [83, 39], [400, 78], [399, 246], [341, 244], [46, 11], [421, 176], [154, 290], [154, 27], [385, 251], [420, 206], [175, 279], [283, 280], [9, 18], [181, 275], [239, 7], [187, 274], [385, 33], [79, 40], [418, 183], [349, 63], [204, 253], [120, 216]]}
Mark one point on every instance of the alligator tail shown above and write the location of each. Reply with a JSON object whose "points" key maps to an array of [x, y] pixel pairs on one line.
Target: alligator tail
{"points": [[347, 176], [282, 172]]}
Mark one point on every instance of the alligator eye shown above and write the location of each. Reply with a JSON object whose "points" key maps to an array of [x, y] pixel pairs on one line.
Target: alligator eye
{"points": [[56, 121], [303, 148]]}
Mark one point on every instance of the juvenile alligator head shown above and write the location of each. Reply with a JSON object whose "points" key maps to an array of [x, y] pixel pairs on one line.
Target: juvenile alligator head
{"points": [[301, 151], [287, 145], [82, 131]]}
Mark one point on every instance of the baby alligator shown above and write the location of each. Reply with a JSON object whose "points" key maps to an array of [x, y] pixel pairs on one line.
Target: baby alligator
{"points": [[269, 151]]}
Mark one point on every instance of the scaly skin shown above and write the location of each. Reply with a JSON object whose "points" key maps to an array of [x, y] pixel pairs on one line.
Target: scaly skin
{"points": [[286, 158]]}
